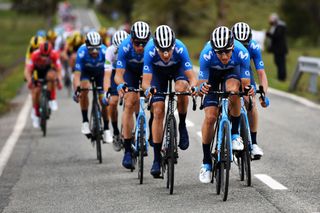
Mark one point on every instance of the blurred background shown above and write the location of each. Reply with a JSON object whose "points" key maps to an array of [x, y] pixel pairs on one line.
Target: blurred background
{"points": [[192, 20]]}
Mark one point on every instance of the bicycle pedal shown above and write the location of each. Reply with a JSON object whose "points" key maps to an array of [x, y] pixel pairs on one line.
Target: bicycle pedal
{"points": [[255, 157], [89, 136]]}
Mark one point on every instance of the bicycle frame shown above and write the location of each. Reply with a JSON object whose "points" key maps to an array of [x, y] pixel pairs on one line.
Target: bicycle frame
{"points": [[224, 119]]}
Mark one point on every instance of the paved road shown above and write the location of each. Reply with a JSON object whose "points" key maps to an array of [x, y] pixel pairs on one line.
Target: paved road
{"points": [[59, 173]]}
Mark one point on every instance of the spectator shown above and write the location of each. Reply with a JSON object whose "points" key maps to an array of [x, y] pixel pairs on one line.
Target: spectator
{"points": [[278, 44]]}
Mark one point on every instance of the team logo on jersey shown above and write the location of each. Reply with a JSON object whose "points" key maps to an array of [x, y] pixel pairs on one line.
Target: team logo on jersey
{"points": [[126, 49], [153, 52], [103, 51], [146, 68], [243, 55], [179, 50], [119, 63], [255, 46], [247, 73], [187, 64], [78, 67], [81, 54], [261, 63], [207, 57], [200, 73]]}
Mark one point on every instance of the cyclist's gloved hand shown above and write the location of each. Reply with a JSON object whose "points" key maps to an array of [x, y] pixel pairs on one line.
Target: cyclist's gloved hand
{"points": [[249, 90], [265, 103], [150, 91], [105, 98], [30, 84], [204, 88], [194, 90], [121, 88], [76, 95], [59, 84]]}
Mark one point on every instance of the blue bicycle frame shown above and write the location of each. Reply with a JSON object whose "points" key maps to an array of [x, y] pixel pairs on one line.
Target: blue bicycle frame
{"points": [[224, 120]]}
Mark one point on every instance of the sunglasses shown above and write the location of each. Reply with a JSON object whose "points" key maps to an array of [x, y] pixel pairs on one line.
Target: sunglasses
{"points": [[220, 52], [166, 49], [94, 49], [140, 43]]}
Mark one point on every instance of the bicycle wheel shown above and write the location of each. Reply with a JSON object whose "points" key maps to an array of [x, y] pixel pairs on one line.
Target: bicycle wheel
{"points": [[225, 162], [246, 159], [172, 148], [141, 142], [97, 131], [43, 111]]}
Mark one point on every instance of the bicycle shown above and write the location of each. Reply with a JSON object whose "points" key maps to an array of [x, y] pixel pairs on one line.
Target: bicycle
{"points": [[169, 152], [95, 122], [244, 157], [44, 108], [140, 145], [222, 154]]}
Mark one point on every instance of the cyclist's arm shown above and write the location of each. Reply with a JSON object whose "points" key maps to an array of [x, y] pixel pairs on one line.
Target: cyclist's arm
{"points": [[191, 77], [259, 65], [29, 68], [120, 67], [77, 73], [263, 80], [110, 56], [118, 78]]}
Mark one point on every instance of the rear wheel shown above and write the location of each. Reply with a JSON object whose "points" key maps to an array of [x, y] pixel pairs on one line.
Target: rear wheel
{"points": [[141, 142], [246, 160]]}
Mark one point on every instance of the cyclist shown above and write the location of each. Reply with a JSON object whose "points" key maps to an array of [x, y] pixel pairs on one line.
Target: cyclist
{"points": [[51, 36], [45, 61], [128, 71], [166, 57], [111, 87], [103, 34], [242, 32], [90, 62], [224, 61]]}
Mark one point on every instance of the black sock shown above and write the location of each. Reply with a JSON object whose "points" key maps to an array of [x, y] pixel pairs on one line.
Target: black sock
{"points": [[150, 125], [156, 150], [84, 116], [127, 145], [106, 124], [254, 137], [206, 154], [182, 118], [235, 125], [115, 128]]}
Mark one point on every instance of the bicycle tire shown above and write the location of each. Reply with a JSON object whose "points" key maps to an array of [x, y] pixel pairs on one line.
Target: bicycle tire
{"points": [[141, 142], [43, 112], [225, 162], [246, 151], [97, 131], [171, 151]]}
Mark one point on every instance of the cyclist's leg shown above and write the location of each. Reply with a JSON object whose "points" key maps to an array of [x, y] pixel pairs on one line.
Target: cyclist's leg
{"points": [[35, 94], [182, 85], [113, 105], [84, 101]]}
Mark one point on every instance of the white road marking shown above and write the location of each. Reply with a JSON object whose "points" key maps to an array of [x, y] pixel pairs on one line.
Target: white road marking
{"points": [[269, 181], [13, 138]]}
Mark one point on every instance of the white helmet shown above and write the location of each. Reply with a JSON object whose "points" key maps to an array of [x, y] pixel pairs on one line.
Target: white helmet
{"points": [[164, 38], [140, 30], [242, 32], [222, 38], [93, 39], [118, 37]]}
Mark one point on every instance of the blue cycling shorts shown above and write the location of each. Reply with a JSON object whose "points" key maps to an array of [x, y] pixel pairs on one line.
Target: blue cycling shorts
{"points": [[113, 87], [132, 76], [98, 75]]}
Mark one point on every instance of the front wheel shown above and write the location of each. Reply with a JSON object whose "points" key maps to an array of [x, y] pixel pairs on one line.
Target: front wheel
{"points": [[246, 159], [141, 145], [44, 108], [97, 131], [171, 153]]}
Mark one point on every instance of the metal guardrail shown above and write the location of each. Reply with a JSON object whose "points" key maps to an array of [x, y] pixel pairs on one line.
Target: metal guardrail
{"points": [[306, 65]]}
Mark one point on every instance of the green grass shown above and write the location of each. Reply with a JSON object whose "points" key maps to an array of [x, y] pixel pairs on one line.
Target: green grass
{"points": [[16, 31]]}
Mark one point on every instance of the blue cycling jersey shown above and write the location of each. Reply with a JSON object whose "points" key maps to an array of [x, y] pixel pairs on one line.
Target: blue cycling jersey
{"points": [[127, 56], [180, 55], [255, 54], [85, 62], [209, 60]]}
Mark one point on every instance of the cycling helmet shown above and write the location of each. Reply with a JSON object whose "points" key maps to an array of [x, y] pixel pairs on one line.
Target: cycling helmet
{"points": [[140, 30], [41, 33], [242, 32], [164, 38], [45, 48], [35, 41], [51, 35], [118, 37], [222, 39], [93, 39]]}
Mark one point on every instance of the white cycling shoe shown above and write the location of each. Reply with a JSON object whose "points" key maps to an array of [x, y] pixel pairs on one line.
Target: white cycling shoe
{"points": [[205, 173], [85, 128], [36, 122], [107, 136], [237, 143], [256, 152], [53, 104]]}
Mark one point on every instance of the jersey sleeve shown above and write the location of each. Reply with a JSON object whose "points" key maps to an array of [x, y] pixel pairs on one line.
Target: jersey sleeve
{"points": [[121, 61], [256, 56], [185, 58], [109, 58], [204, 62], [56, 60], [79, 61], [147, 61], [244, 59]]}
